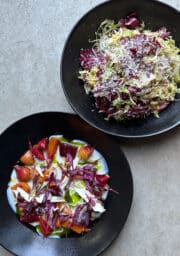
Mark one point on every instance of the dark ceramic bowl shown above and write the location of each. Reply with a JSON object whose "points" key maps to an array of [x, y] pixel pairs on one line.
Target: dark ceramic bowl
{"points": [[155, 15], [21, 240]]}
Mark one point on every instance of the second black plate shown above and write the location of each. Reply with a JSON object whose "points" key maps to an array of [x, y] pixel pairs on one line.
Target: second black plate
{"points": [[154, 14]]}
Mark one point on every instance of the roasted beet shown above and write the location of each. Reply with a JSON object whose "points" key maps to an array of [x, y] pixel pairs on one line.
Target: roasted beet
{"points": [[42, 144], [102, 179], [66, 148], [37, 152]]}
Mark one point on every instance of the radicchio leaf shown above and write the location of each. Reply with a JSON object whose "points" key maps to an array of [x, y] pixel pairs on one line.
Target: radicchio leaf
{"points": [[66, 148]]}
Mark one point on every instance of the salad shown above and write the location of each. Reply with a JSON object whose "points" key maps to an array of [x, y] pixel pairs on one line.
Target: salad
{"points": [[59, 186], [131, 71]]}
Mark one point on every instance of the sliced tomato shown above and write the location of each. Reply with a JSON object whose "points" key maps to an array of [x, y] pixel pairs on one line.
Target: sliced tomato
{"points": [[27, 158], [85, 152], [23, 173], [45, 228]]}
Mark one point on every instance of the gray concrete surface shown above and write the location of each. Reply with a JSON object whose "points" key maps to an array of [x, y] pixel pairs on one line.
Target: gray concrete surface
{"points": [[32, 34]]}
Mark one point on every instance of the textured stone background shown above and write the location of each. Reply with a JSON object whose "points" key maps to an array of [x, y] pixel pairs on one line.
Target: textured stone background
{"points": [[32, 34]]}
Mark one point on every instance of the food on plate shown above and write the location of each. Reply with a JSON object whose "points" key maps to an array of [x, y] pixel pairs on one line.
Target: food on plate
{"points": [[131, 71], [59, 186]]}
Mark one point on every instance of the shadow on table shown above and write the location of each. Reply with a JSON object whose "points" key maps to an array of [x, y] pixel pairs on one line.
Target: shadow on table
{"points": [[161, 138]]}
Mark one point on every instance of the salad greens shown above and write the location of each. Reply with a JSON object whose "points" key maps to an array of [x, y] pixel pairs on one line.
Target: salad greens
{"points": [[59, 186], [131, 71]]}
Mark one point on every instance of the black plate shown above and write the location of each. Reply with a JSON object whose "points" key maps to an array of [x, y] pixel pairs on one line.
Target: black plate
{"points": [[155, 15], [22, 241]]}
